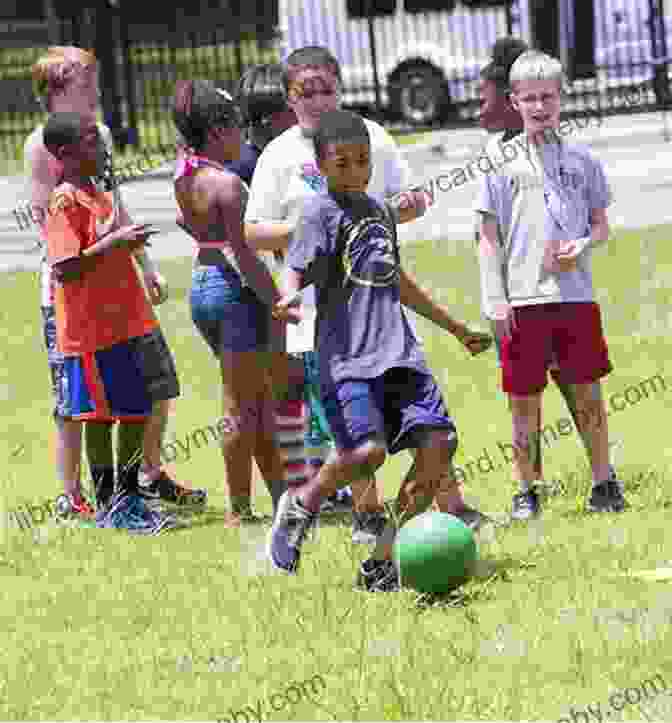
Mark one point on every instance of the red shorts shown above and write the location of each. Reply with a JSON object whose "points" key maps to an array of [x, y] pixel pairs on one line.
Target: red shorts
{"points": [[569, 333]]}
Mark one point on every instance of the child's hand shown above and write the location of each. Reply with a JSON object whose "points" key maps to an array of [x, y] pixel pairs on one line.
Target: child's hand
{"points": [[505, 320], [566, 256], [291, 316], [157, 287], [476, 342], [135, 235], [286, 309]]}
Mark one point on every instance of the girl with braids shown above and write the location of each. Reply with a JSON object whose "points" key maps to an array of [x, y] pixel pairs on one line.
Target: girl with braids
{"points": [[233, 292], [265, 114]]}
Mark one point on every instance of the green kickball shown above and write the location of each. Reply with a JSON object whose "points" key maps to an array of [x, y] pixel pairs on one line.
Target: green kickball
{"points": [[435, 553]]}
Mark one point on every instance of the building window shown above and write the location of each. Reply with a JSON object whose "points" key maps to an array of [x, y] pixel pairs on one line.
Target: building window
{"points": [[429, 6], [370, 8]]}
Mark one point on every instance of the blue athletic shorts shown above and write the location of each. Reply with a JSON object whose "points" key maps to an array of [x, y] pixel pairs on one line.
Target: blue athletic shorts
{"points": [[121, 383], [395, 406], [228, 315]]}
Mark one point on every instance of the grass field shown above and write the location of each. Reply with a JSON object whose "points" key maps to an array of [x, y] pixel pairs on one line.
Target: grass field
{"points": [[190, 625]]}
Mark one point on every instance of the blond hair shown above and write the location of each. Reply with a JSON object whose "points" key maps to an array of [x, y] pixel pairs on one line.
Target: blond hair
{"points": [[534, 65], [54, 71]]}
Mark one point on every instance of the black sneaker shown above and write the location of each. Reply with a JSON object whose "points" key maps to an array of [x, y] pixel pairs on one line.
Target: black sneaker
{"points": [[367, 527], [378, 576], [338, 503], [618, 502], [167, 490], [606, 497], [600, 498], [526, 505]]}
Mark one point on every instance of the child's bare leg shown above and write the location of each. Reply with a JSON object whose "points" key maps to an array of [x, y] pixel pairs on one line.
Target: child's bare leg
{"points": [[69, 455], [449, 496], [536, 440], [341, 467], [592, 422], [526, 414], [365, 495], [433, 457], [242, 384], [155, 432], [569, 393]]}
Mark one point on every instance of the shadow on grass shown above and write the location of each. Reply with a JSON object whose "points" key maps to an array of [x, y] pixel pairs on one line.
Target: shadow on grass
{"points": [[190, 518], [478, 587]]}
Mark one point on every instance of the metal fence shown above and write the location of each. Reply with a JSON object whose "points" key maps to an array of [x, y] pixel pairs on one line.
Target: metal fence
{"points": [[413, 63]]}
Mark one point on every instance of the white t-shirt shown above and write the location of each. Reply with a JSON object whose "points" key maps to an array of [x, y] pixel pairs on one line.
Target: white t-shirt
{"points": [[286, 175], [542, 197], [43, 174]]}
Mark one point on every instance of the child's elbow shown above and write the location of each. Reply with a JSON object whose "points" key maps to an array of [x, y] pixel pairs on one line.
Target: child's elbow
{"points": [[67, 273]]}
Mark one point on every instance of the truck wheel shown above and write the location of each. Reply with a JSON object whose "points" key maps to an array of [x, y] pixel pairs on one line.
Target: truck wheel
{"points": [[418, 95]]}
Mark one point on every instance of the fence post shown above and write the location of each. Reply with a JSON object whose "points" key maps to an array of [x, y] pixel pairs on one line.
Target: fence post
{"points": [[374, 56], [106, 44], [52, 22], [661, 84], [133, 137], [509, 18]]}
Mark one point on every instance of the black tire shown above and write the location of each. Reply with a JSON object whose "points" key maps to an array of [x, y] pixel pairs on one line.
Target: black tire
{"points": [[419, 95]]}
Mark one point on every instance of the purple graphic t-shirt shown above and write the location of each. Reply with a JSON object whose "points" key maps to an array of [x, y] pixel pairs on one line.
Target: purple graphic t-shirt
{"points": [[362, 328]]}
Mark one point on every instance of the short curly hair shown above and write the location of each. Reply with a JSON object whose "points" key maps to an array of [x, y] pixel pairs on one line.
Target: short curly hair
{"points": [[55, 70]]}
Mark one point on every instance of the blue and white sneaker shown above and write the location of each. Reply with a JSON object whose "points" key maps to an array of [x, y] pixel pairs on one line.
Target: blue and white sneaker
{"points": [[129, 512], [292, 524]]}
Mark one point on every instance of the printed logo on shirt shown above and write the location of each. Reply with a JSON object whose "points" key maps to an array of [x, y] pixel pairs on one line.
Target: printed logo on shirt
{"points": [[312, 177], [369, 258], [573, 180], [521, 184]]}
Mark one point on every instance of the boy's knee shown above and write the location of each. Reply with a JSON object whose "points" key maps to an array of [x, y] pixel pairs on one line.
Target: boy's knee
{"points": [[237, 424], [443, 440], [372, 454]]}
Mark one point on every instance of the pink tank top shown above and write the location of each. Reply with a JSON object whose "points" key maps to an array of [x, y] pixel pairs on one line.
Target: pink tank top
{"points": [[186, 166]]}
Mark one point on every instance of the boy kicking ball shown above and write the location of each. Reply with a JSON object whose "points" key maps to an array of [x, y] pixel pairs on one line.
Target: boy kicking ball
{"points": [[378, 393], [115, 358], [541, 216]]}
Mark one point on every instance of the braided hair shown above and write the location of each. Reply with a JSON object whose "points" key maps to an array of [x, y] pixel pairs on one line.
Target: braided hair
{"points": [[260, 93], [198, 106], [505, 52]]}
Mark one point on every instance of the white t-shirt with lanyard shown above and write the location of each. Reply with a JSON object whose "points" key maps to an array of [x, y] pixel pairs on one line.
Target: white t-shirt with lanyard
{"points": [[287, 174]]}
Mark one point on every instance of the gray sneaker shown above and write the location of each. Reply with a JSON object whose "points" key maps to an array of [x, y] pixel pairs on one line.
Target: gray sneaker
{"points": [[526, 505], [367, 527], [377, 576], [472, 518], [290, 528]]}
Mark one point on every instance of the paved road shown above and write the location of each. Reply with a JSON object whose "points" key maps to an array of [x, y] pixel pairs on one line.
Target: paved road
{"points": [[638, 160]]}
